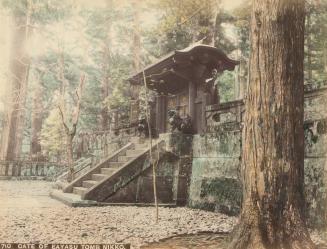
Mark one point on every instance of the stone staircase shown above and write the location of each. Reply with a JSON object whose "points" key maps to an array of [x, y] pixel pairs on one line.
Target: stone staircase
{"points": [[110, 175], [80, 167], [109, 168]]}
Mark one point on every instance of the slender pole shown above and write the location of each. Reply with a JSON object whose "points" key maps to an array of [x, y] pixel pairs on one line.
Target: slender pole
{"points": [[154, 164]]}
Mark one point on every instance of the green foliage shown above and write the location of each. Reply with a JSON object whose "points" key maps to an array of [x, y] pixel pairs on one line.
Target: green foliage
{"points": [[41, 11], [185, 22], [176, 24], [315, 38], [175, 29], [120, 68], [108, 60], [52, 135], [91, 103], [226, 86], [241, 20], [98, 22]]}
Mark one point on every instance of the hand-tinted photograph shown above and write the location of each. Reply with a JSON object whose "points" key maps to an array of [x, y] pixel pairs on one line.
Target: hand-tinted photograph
{"points": [[163, 124]]}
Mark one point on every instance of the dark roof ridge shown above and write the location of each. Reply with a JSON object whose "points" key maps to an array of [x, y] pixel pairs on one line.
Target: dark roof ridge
{"points": [[190, 49]]}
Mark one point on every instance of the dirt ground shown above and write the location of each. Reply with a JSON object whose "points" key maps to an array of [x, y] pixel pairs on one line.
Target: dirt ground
{"points": [[28, 214]]}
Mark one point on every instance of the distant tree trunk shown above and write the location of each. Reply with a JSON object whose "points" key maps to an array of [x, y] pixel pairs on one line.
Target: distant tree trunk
{"points": [[214, 22], [136, 51], [37, 118], [136, 37], [210, 34], [12, 135], [105, 87], [242, 78], [239, 77], [105, 82], [273, 149]]}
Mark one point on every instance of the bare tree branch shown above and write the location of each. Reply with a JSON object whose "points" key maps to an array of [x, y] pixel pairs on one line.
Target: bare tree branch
{"points": [[76, 113], [63, 119]]}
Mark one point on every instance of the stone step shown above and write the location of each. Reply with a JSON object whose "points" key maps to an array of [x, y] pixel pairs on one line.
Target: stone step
{"points": [[89, 183], [143, 146], [124, 159], [135, 140], [130, 158], [98, 177], [121, 159], [134, 153], [116, 164], [71, 199], [79, 190], [108, 171]]}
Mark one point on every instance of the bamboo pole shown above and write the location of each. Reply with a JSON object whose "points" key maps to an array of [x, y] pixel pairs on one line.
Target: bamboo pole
{"points": [[154, 164]]}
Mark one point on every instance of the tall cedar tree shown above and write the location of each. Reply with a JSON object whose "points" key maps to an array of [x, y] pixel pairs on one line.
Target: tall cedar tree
{"points": [[37, 116], [12, 133], [273, 149], [106, 80]]}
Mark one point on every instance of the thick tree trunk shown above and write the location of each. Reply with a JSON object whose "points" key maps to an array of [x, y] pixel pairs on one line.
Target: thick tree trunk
{"points": [[325, 186], [20, 124], [37, 118], [19, 69], [273, 149]]}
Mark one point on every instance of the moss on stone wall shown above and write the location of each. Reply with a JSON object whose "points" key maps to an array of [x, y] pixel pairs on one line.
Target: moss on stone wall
{"points": [[215, 170], [225, 193]]}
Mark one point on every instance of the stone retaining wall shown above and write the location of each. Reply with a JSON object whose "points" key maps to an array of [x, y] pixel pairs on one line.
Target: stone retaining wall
{"points": [[215, 181], [215, 184]]}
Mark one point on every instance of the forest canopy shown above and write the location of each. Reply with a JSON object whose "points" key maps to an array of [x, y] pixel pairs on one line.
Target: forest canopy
{"points": [[107, 41]]}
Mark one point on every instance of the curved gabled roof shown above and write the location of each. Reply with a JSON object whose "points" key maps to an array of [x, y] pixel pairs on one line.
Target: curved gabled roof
{"points": [[203, 49], [171, 65]]}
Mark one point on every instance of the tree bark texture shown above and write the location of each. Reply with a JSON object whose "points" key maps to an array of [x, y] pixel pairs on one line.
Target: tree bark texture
{"points": [[325, 181], [309, 44], [273, 137], [37, 118], [18, 71]]}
